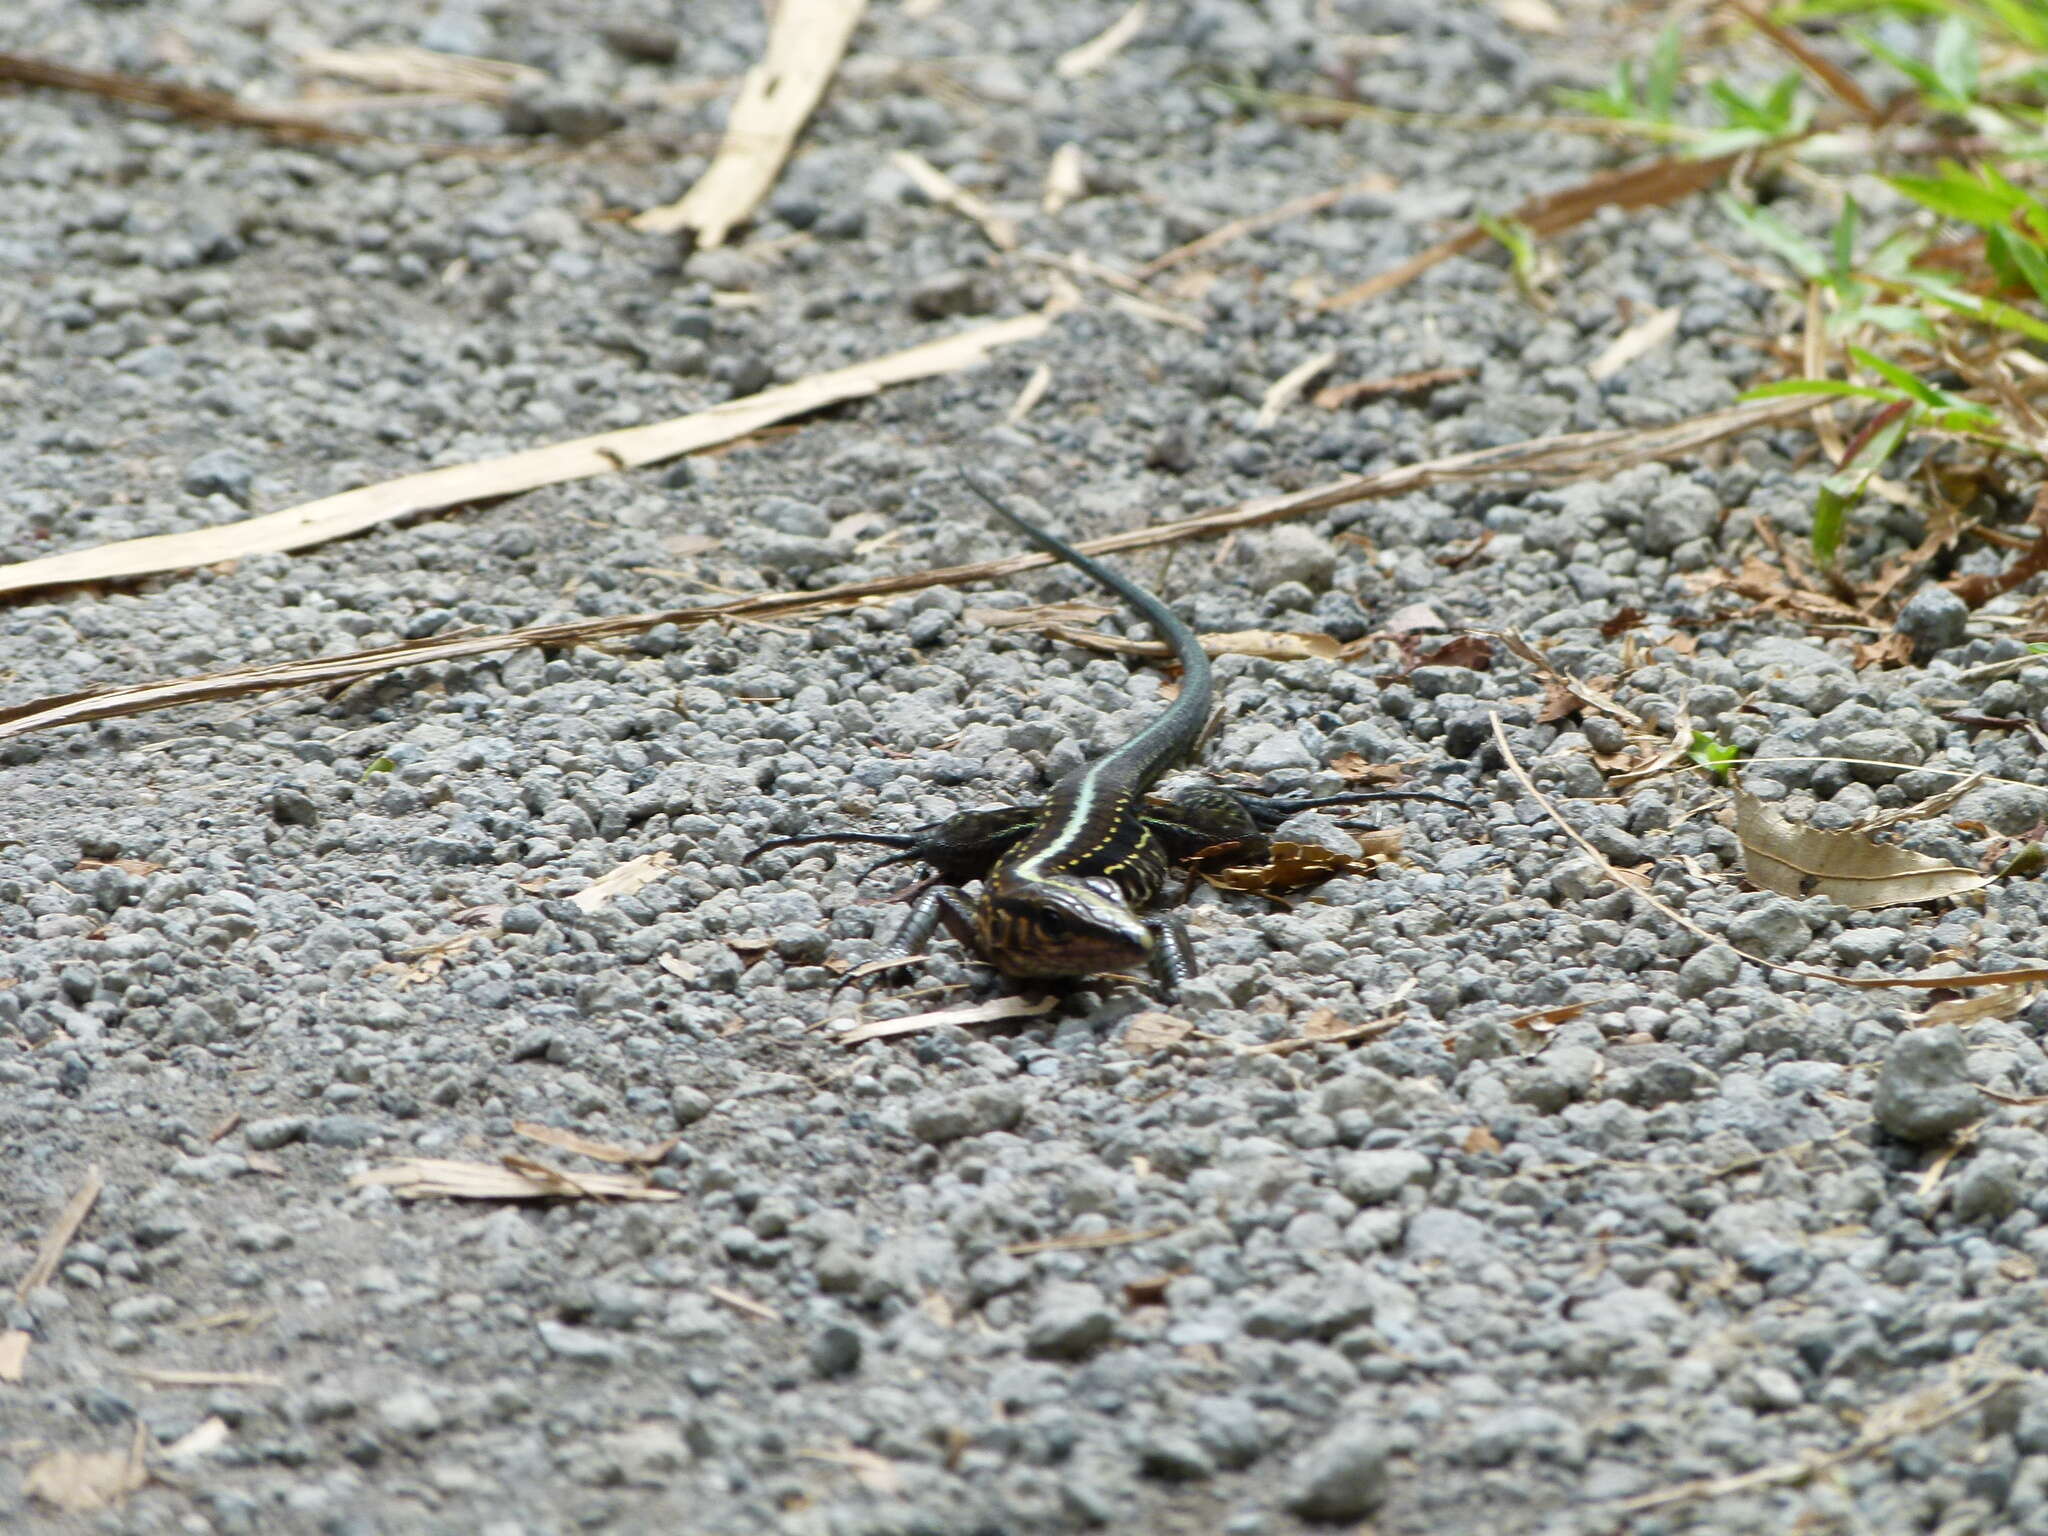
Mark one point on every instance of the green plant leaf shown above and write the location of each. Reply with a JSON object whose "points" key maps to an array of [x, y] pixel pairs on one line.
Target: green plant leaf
{"points": [[1843, 241], [1711, 753], [1773, 233], [1899, 379], [1955, 194], [1837, 387], [1955, 58], [1844, 488], [1660, 85]]}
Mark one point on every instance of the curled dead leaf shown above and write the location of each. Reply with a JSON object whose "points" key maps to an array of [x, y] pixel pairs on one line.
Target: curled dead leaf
{"points": [[1297, 866], [1154, 1031], [1847, 867]]}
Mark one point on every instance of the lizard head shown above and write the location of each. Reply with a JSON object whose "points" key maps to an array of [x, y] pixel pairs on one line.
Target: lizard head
{"points": [[1072, 926]]}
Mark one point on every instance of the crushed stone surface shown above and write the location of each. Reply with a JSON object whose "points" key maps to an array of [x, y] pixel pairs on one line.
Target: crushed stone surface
{"points": [[1484, 1271]]}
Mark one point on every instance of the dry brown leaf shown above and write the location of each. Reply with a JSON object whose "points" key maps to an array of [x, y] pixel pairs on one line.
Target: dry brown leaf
{"points": [[1320, 1030], [1292, 867], [1480, 1142], [1081, 1241], [1621, 621], [1543, 1020], [1104, 46], [1153, 1031], [1148, 1290], [992, 1011], [434, 490], [597, 1151], [1838, 82], [81, 1482], [806, 40], [1844, 866], [1354, 769], [623, 880], [429, 1178], [1997, 1003], [1641, 186]]}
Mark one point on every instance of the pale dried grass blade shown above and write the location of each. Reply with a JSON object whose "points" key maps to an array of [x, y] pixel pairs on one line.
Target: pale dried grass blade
{"points": [[1066, 178], [597, 1151], [336, 517], [943, 190], [1287, 389], [203, 1439], [990, 1012], [870, 1469], [1638, 341], [429, 1178], [624, 880], [740, 1302], [1145, 309], [13, 1354], [1847, 867], [1539, 460], [1104, 46], [424, 70], [805, 44], [1028, 397], [1237, 229], [158, 1378], [50, 1252]]}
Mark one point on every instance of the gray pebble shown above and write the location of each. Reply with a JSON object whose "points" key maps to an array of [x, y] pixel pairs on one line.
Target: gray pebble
{"points": [[1343, 1476], [1924, 1091], [1070, 1321], [1934, 619], [943, 1117]]}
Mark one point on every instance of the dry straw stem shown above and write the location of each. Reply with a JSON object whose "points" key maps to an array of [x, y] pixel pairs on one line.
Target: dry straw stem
{"points": [[451, 75], [1237, 229], [1103, 47], [943, 190], [990, 1012], [180, 100], [156, 1378], [1639, 340], [1630, 881], [805, 45], [1076, 1242], [1913, 1414], [1543, 460], [596, 1151], [434, 490], [58, 1238], [1287, 389], [1642, 186], [1832, 77]]}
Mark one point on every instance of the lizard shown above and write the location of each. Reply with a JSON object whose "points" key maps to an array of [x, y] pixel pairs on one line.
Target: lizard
{"points": [[1069, 886]]}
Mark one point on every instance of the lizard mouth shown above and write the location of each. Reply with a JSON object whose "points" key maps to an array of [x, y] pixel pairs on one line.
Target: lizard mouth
{"points": [[1038, 938]]}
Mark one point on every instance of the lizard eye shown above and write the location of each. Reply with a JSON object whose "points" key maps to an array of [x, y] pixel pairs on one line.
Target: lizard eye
{"points": [[1053, 921]]}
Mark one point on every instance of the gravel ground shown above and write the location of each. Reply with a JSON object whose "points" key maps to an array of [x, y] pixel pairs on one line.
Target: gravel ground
{"points": [[1464, 1277]]}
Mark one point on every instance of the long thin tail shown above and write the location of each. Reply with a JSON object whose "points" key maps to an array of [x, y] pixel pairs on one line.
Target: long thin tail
{"points": [[1174, 734]]}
